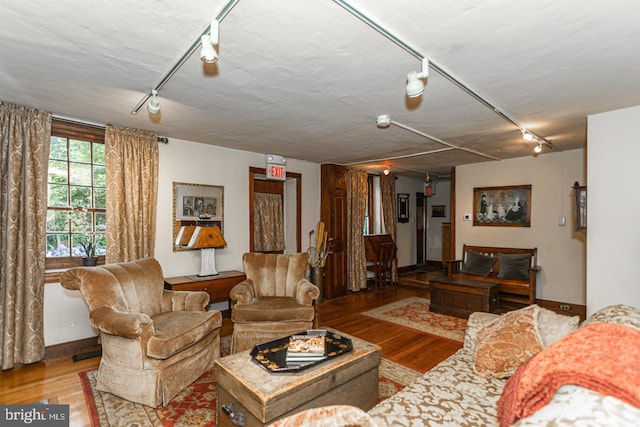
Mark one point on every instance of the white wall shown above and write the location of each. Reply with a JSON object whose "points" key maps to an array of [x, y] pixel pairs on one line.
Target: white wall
{"points": [[66, 314], [561, 251], [613, 233]]}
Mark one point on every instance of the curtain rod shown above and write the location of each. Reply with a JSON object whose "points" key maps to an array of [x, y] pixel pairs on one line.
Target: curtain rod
{"points": [[161, 138]]}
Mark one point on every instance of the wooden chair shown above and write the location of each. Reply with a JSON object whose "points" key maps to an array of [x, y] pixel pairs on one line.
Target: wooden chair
{"points": [[390, 264], [383, 265]]}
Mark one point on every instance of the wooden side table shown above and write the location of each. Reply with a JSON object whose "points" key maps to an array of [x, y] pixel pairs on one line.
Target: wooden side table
{"points": [[218, 287]]}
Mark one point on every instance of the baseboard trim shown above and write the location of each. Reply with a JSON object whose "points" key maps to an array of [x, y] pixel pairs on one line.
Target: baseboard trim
{"points": [[79, 350]]}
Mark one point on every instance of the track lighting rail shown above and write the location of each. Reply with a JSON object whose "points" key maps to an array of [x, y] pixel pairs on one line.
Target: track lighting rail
{"points": [[385, 121], [194, 46], [404, 45]]}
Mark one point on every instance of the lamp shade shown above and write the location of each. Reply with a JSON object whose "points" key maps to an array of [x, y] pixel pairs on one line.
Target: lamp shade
{"points": [[207, 237]]}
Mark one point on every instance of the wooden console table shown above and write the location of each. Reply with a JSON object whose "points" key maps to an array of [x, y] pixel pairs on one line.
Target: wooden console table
{"points": [[218, 287]]}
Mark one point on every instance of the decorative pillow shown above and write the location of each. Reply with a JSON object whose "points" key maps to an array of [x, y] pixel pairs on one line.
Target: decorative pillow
{"points": [[477, 320], [514, 266], [619, 313], [478, 264], [553, 326], [506, 342]]}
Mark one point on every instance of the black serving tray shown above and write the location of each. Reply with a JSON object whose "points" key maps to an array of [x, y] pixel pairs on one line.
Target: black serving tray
{"points": [[273, 355]]}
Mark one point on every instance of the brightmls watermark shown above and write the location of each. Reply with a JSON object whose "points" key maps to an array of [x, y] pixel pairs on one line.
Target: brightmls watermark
{"points": [[36, 414]]}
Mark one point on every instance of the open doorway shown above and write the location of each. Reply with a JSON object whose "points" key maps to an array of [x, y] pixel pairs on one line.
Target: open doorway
{"points": [[421, 229]]}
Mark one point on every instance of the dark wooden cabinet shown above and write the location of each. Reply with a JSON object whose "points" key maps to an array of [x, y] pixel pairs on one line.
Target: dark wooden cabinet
{"points": [[461, 297], [218, 287], [333, 212]]}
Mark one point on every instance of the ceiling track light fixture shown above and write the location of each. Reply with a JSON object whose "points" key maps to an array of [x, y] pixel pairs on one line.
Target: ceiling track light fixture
{"points": [[529, 137], [387, 171], [194, 46], [538, 148], [153, 107], [526, 135], [208, 53], [437, 68], [383, 121], [415, 85]]}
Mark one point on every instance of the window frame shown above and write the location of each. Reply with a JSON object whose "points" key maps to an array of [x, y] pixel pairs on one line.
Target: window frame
{"points": [[83, 132], [370, 211]]}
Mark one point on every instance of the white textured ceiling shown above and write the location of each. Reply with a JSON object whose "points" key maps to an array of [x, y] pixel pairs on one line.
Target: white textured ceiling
{"points": [[307, 79]]}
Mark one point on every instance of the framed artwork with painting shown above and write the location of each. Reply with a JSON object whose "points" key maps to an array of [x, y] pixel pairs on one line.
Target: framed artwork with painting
{"points": [[438, 211], [508, 206]]}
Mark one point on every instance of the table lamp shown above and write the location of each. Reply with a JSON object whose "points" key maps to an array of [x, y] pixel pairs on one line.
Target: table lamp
{"points": [[207, 239]]}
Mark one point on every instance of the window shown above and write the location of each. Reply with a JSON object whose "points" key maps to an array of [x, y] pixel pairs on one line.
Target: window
{"points": [[373, 212], [76, 207]]}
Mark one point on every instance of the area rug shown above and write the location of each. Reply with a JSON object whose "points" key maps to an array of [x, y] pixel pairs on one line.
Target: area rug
{"points": [[196, 405], [414, 313]]}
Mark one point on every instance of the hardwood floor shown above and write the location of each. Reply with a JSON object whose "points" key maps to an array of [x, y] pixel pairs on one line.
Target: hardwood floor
{"points": [[410, 348], [58, 380]]}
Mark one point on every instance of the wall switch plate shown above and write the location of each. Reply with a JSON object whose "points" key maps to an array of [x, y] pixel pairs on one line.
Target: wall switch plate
{"points": [[466, 217], [562, 221]]}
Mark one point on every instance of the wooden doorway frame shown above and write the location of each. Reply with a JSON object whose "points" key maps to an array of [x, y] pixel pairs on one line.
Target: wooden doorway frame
{"points": [[253, 171]]}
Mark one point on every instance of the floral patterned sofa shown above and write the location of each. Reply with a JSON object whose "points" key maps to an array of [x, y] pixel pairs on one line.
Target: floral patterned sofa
{"points": [[455, 393]]}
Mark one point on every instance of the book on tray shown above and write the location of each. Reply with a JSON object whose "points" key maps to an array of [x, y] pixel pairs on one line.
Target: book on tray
{"points": [[306, 348]]}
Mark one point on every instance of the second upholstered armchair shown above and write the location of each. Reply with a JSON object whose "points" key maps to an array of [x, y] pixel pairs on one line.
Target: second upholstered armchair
{"points": [[274, 301]]}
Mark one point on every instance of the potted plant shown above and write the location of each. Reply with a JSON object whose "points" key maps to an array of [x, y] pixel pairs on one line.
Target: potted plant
{"points": [[81, 225]]}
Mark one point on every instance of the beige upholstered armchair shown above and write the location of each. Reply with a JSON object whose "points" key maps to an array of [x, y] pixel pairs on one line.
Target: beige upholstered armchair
{"points": [[274, 301], [155, 342]]}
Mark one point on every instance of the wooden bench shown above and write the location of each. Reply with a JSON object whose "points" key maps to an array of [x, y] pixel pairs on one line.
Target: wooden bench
{"points": [[512, 290]]}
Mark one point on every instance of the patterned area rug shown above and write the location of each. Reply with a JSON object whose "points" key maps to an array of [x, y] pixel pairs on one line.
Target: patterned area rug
{"points": [[414, 313], [196, 405]]}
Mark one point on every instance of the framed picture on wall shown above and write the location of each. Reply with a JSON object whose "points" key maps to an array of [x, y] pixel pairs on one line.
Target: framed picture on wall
{"points": [[403, 207], [508, 206], [438, 211]]}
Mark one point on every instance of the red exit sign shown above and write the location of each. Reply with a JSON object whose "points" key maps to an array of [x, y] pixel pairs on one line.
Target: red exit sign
{"points": [[277, 172]]}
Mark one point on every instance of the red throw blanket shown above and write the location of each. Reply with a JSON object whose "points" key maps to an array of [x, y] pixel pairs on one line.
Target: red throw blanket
{"points": [[603, 357]]}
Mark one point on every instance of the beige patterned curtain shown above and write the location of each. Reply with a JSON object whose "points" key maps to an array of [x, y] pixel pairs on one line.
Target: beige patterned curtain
{"points": [[268, 223], [356, 209], [24, 156], [132, 193], [388, 196]]}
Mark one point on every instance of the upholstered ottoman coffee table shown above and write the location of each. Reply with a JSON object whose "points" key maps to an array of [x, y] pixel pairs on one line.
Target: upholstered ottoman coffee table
{"points": [[249, 391]]}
